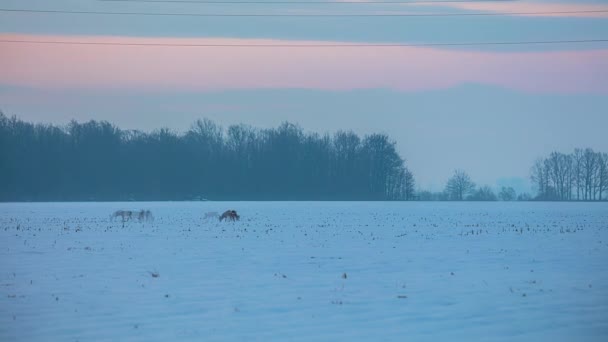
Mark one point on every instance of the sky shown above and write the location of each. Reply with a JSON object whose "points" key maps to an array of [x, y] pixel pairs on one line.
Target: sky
{"points": [[489, 110]]}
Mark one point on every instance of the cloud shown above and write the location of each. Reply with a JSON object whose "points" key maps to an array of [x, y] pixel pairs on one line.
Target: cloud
{"points": [[543, 9], [336, 68]]}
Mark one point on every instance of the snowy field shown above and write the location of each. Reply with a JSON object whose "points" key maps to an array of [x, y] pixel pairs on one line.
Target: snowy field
{"points": [[309, 271]]}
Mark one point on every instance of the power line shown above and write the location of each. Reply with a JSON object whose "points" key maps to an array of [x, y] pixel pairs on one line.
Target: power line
{"points": [[303, 15], [229, 2], [354, 45]]}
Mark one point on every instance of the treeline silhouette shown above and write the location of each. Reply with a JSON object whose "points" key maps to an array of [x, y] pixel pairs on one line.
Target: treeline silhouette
{"points": [[578, 176], [460, 187], [98, 161]]}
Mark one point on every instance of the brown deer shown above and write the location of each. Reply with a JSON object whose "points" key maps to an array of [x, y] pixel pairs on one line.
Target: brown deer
{"points": [[230, 215]]}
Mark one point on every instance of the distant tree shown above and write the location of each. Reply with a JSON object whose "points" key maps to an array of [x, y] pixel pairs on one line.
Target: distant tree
{"points": [[577, 172], [590, 164], [557, 176], [484, 193], [524, 197], [409, 184], [459, 186], [347, 162], [425, 195], [507, 194], [385, 166], [560, 168], [432, 196], [602, 175], [540, 177]]}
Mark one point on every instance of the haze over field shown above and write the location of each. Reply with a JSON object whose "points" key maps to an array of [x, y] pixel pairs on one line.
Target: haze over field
{"points": [[491, 110]]}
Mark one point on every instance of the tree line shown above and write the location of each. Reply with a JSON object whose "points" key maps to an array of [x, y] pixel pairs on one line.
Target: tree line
{"points": [[96, 160], [460, 187], [579, 176]]}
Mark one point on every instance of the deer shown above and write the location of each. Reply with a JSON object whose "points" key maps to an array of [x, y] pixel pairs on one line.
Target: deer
{"points": [[125, 215], [230, 215], [211, 214], [145, 215]]}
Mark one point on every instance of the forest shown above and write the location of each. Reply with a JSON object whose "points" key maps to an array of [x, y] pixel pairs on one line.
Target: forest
{"points": [[98, 161]]}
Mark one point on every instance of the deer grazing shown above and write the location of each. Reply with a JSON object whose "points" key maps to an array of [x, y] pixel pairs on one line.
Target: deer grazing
{"points": [[230, 215], [127, 215], [145, 216]]}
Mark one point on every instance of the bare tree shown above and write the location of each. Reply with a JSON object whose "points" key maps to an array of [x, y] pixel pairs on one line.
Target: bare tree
{"points": [[409, 185], [577, 157], [524, 197], [589, 172], [602, 171], [556, 176], [507, 194], [540, 176], [385, 165], [560, 169], [459, 186], [484, 193], [347, 151]]}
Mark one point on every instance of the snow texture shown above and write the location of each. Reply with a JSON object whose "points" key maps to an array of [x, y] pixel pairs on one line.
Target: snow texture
{"points": [[305, 271]]}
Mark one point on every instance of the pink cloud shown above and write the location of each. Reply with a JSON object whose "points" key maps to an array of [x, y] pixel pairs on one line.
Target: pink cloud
{"points": [[51, 66], [527, 7]]}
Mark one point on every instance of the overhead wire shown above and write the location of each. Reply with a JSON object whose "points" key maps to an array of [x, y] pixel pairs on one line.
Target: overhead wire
{"points": [[470, 14], [229, 2], [329, 45], [497, 43]]}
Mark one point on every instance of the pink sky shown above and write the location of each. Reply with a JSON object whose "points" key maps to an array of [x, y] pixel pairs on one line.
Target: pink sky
{"points": [[524, 6], [344, 68]]}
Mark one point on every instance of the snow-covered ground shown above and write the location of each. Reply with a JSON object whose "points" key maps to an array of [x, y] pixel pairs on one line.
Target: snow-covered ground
{"points": [[305, 271]]}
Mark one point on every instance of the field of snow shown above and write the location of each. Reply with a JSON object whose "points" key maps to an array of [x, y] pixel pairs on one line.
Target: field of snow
{"points": [[305, 271]]}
